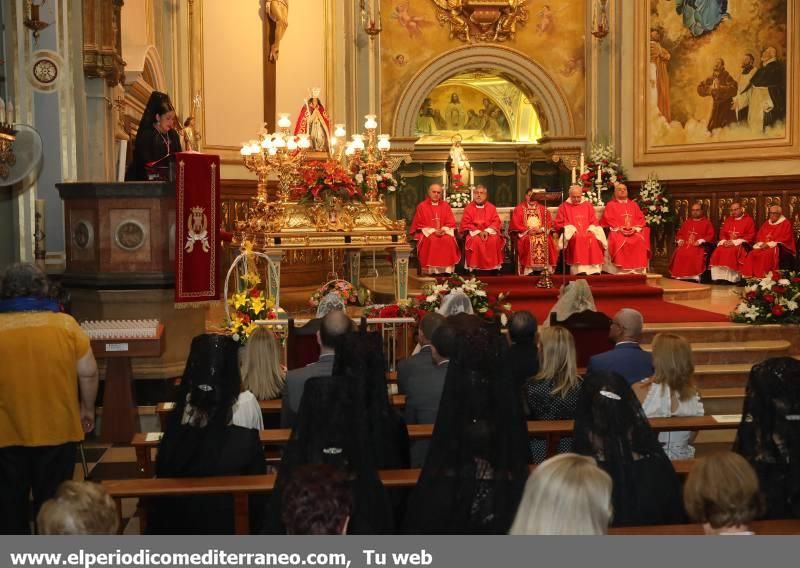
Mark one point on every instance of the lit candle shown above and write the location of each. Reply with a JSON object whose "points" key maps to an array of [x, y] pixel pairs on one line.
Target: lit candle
{"points": [[284, 121], [583, 164], [471, 176], [2, 111], [444, 176], [599, 174], [371, 123], [383, 142], [340, 132], [10, 112], [573, 175]]}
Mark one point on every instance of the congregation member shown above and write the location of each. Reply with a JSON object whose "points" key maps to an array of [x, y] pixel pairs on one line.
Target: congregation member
{"points": [[532, 223], [49, 385], [424, 389], [627, 358], [433, 227], [774, 242], [611, 427], [566, 495], [476, 467], [332, 327], [420, 361], [767, 435], [317, 500], [261, 369], [78, 508], [671, 392], [553, 391], [584, 238], [721, 493], [483, 230], [201, 440], [156, 141], [693, 240], [523, 354], [629, 235], [574, 297], [735, 237]]}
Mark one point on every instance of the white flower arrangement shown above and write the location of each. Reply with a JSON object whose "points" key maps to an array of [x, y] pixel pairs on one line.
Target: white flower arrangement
{"points": [[601, 157], [654, 202], [458, 198]]}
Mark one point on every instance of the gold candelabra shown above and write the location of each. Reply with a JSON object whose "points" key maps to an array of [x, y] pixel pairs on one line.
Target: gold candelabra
{"points": [[7, 137], [280, 153], [366, 154]]}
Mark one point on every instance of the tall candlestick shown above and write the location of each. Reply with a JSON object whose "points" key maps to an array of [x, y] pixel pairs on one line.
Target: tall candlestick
{"points": [[10, 112], [2, 111], [599, 174], [573, 175], [444, 177], [583, 164], [471, 176]]}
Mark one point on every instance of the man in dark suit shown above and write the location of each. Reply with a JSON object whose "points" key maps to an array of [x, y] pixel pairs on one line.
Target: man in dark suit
{"points": [[333, 326], [421, 362], [424, 388], [627, 358], [523, 356]]}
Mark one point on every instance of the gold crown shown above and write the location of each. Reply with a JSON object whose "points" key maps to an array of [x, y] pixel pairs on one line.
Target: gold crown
{"points": [[197, 210]]}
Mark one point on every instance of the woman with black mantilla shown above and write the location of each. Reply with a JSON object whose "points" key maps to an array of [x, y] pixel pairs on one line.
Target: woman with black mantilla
{"points": [[155, 140]]}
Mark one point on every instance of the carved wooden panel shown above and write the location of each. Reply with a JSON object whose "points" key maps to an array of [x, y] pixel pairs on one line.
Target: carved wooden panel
{"points": [[102, 40]]}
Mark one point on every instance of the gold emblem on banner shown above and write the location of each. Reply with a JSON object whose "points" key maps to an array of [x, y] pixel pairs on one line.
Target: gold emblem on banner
{"points": [[197, 229]]}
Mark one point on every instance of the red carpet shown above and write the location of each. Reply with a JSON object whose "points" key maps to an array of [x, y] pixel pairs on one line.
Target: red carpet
{"points": [[611, 294]]}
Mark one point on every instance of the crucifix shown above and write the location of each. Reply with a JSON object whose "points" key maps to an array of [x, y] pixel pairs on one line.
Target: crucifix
{"points": [[627, 219], [275, 21]]}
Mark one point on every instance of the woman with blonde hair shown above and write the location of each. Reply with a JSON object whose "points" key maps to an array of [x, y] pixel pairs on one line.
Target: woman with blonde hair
{"points": [[553, 392], [261, 369], [566, 495], [671, 391]]}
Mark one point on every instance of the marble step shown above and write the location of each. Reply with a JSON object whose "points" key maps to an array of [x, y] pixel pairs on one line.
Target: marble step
{"points": [[725, 332], [722, 376], [723, 353], [723, 400]]}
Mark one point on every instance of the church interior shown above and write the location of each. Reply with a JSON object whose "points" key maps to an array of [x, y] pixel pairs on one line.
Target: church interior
{"points": [[381, 156]]}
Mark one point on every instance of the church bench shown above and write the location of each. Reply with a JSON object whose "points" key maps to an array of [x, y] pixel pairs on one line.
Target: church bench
{"points": [[550, 430], [242, 486], [772, 527]]}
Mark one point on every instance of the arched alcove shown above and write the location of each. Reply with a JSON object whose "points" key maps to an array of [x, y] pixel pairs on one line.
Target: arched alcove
{"points": [[514, 65]]}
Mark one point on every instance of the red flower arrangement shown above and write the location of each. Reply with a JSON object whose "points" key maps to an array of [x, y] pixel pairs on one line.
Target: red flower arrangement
{"points": [[325, 181]]}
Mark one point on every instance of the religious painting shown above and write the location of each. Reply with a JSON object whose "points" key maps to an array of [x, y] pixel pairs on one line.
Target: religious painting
{"points": [[458, 109], [715, 80], [553, 36]]}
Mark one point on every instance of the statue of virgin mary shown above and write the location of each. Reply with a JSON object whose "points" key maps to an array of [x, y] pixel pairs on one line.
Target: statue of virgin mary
{"points": [[314, 121]]}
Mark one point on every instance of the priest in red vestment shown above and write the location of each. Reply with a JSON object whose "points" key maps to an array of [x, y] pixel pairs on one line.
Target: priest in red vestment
{"points": [[483, 248], [735, 236], [584, 237], [689, 261], [434, 228], [775, 237], [532, 223], [628, 236]]}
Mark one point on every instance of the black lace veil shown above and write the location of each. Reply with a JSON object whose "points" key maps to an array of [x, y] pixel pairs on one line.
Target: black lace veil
{"points": [[769, 434], [476, 467], [611, 426]]}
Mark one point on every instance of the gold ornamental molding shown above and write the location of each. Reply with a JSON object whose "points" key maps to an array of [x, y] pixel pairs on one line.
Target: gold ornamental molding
{"points": [[102, 40], [482, 20]]}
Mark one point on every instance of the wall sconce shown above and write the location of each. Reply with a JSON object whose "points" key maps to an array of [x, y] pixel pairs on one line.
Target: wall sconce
{"points": [[32, 22], [371, 26], [600, 27]]}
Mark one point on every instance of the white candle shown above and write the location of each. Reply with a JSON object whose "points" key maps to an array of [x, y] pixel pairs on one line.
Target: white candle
{"points": [[583, 164], [599, 174], [471, 176], [2, 111], [444, 176], [573, 175], [10, 112]]}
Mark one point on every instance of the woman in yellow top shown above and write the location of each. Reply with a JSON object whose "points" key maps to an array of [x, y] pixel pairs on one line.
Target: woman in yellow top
{"points": [[42, 416]]}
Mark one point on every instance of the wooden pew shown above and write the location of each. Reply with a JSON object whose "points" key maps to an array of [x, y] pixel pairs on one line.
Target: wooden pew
{"points": [[551, 430], [774, 527], [242, 486]]}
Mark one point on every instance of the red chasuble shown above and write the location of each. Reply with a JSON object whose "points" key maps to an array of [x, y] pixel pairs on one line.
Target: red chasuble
{"points": [[759, 261], [583, 248], [482, 254], [627, 252], [689, 258], [732, 257], [530, 247], [436, 253]]}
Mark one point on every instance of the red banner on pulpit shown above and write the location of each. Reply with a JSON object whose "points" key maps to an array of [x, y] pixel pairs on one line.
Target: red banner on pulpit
{"points": [[197, 222]]}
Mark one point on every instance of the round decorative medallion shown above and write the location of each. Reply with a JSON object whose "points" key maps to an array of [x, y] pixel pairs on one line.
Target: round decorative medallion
{"points": [[83, 234], [130, 235], [45, 70]]}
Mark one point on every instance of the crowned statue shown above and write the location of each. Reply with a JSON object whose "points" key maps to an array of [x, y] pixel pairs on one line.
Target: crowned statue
{"points": [[315, 122], [459, 164]]}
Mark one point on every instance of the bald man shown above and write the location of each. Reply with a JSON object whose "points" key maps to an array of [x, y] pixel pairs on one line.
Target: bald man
{"points": [[585, 240], [627, 358], [483, 233], [628, 235], [735, 237], [433, 227], [774, 239]]}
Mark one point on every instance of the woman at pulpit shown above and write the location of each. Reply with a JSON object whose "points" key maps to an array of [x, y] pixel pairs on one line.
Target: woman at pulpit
{"points": [[156, 140]]}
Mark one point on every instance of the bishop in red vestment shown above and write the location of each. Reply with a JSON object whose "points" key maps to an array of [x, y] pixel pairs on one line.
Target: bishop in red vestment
{"points": [[773, 236], [584, 237], [629, 235], [484, 242], [727, 259], [434, 228], [532, 223], [689, 259]]}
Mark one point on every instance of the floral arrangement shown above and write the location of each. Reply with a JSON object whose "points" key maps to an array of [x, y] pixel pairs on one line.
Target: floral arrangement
{"points": [[394, 311], [458, 199], [654, 202], [601, 157], [484, 305], [250, 306], [326, 181], [385, 180], [772, 299], [341, 288]]}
